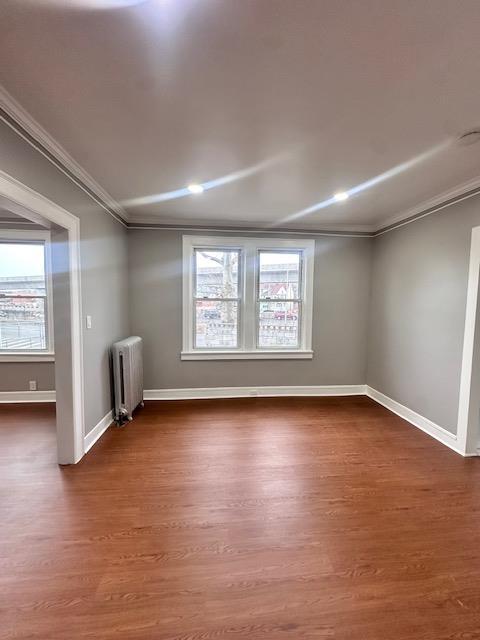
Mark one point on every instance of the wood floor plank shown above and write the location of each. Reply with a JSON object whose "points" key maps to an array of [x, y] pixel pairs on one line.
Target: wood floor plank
{"points": [[258, 519]]}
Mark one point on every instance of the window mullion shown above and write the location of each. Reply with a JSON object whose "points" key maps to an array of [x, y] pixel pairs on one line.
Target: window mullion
{"points": [[249, 306]]}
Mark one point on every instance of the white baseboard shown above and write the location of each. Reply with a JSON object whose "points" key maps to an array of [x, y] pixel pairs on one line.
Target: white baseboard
{"points": [[27, 396], [426, 425], [249, 392], [98, 430]]}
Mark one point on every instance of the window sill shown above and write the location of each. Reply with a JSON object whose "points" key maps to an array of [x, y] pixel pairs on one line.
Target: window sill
{"points": [[304, 354], [27, 357]]}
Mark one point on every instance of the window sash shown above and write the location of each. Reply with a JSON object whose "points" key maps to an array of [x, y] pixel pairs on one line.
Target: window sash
{"points": [[212, 250], [196, 298], [298, 300], [36, 238], [194, 323]]}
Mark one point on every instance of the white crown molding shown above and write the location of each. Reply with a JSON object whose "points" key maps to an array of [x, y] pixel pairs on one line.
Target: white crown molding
{"points": [[427, 207], [65, 161], [157, 222]]}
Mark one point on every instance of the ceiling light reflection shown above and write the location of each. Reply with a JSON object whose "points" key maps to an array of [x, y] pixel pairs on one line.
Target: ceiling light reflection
{"points": [[400, 168], [210, 184]]}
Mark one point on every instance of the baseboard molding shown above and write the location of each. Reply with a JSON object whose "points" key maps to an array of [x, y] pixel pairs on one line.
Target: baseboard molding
{"points": [[27, 396], [419, 421], [249, 392], [98, 430]]}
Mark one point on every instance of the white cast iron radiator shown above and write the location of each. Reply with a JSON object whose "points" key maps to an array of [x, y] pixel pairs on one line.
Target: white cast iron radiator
{"points": [[127, 377]]}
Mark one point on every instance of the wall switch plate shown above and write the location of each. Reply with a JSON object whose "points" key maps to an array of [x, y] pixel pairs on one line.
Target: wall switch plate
{"points": [[32, 385], [89, 322]]}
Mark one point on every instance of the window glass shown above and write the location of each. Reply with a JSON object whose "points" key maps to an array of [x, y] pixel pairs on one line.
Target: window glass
{"points": [[216, 324], [22, 297], [216, 274], [216, 299], [279, 275], [278, 324]]}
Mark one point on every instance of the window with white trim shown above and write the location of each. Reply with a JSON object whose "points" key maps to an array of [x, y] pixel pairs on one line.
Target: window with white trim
{"points": [[25, 294], [247, 298]]}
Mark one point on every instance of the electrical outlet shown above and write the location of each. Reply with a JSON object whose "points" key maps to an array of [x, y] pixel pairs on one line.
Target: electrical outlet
{"points": [[89, 322], [33, 385]]}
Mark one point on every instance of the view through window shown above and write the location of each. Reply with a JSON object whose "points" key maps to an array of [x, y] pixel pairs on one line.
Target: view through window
{"points": [[216, 298], [23, 297], [279, 303], [247, 297]]}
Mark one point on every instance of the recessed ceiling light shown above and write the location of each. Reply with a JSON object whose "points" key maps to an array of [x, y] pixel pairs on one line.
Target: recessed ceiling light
{"points": [[341, 195], [195, 188]]}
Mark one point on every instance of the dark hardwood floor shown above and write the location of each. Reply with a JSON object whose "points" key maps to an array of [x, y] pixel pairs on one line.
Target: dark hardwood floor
{"points": [[239, 519]]}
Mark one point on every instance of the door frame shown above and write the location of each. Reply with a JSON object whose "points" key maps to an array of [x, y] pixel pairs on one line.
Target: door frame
{"points": [[21, 199], [468, 425]]}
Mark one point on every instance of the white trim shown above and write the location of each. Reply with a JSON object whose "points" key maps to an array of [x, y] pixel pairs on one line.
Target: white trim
{"points": [[240, 226], [421, 210], [469, 399], [271, 231], [247, 392], [32, 356], [97, 432], [247, 355], [249, 246], [64, 160], [426, 425], [14, 193], [11, 397]]}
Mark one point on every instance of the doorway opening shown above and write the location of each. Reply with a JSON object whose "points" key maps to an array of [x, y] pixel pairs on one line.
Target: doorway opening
{"points": [[40, 310]]}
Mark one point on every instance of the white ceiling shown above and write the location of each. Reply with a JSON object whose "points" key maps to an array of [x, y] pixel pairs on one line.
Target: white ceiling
{"points": [[302, 97]]}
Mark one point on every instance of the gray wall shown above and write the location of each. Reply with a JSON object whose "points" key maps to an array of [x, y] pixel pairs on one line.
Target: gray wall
{"points": [[417, 314], [342, 281], [14, 376], [104, 264]]}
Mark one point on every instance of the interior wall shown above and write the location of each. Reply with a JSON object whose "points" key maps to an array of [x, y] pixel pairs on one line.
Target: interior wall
{"points": [[15, 376], [341, 296], [417, 314], [104, 265]]}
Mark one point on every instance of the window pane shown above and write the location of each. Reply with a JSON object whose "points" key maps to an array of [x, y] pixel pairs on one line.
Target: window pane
{"points": [[216, 324], [22, 323], [279, 274], [22, 315], [278, 324], [216, 274]]}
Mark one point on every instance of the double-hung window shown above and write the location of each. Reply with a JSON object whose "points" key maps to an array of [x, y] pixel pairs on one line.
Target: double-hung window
{"points": [[25, 296], [247, 298]]}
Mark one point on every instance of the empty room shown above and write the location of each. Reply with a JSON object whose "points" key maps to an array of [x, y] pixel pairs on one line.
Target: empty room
{"points": [[239, 319]]}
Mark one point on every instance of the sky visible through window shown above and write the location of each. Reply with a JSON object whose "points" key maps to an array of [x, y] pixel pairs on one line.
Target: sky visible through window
{"points": [[21, 260]]}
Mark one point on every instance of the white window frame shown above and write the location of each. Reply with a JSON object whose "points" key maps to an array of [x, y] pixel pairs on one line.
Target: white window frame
{"points": [[34, 355], [249, 248]]}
